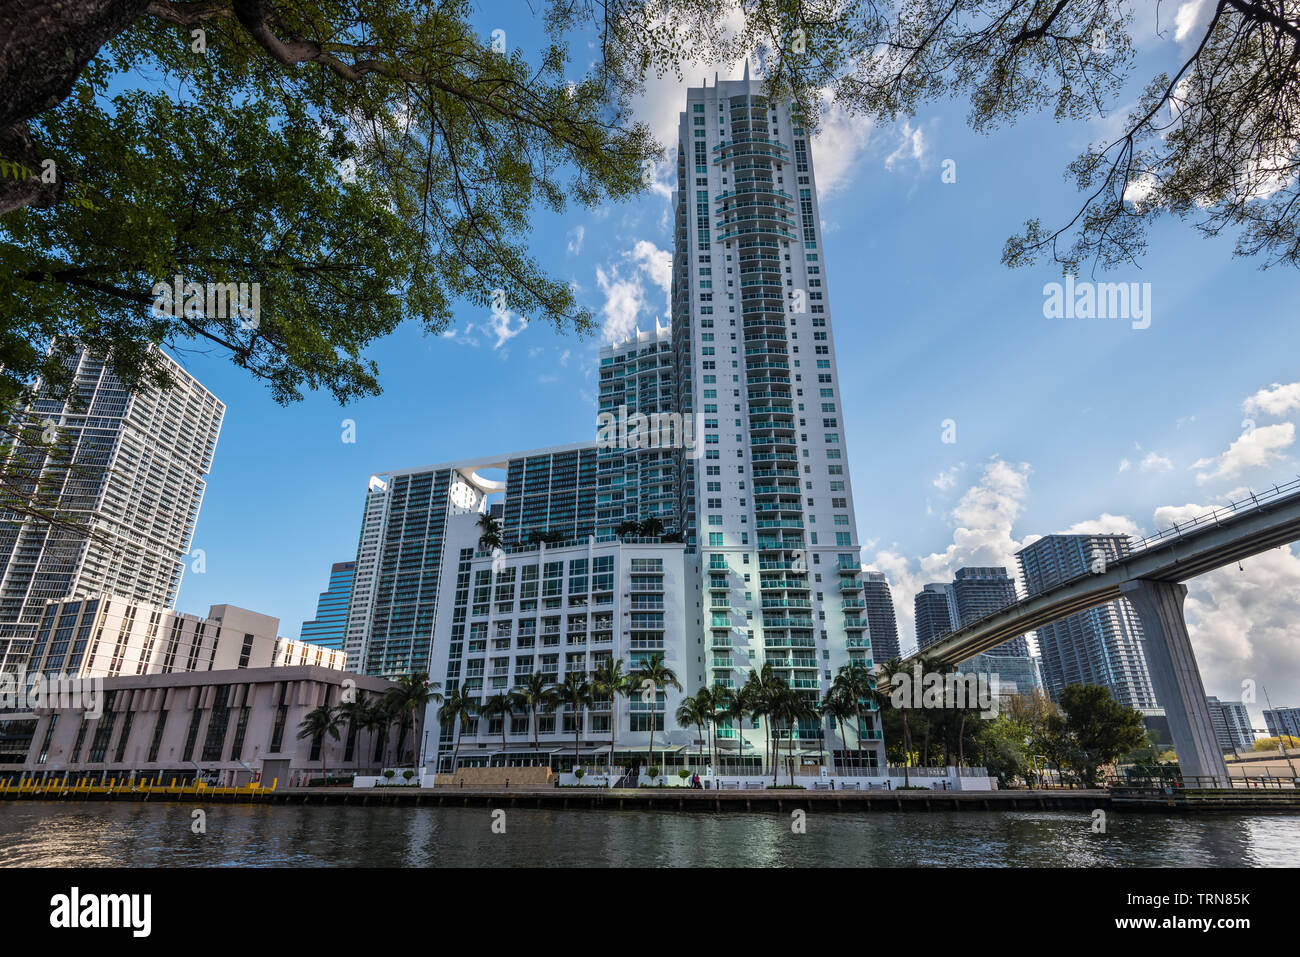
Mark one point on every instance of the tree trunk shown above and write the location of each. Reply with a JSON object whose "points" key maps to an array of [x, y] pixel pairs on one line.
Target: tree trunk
{"points": [[537, 746], [613, 729], [857, 712], [907, 750]]}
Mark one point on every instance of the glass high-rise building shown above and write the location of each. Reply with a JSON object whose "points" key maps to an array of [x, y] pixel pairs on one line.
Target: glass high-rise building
{"points": [[330, 624], [1231, 724], [1101, 646], [880, 616], [635, 484], [1281, 721], [932, 608], [136, 479], [980, 591]]}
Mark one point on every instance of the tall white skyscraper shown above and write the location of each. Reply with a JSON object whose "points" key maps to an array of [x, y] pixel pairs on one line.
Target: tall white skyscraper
{"points": [[135, 478], [769, 505]]}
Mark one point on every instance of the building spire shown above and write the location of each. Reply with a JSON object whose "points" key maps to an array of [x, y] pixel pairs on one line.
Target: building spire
{"points": [[746, 68]]}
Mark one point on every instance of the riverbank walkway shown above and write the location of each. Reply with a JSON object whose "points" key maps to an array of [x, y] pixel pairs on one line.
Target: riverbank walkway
{"points": [[1137, 799]]}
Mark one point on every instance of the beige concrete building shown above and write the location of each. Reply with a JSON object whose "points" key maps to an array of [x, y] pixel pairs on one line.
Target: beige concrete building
{"points": [[106, 636], [226, 727]]}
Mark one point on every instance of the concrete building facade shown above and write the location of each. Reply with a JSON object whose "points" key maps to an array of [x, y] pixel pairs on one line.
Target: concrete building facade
{"points": [[226, 727], [105, 636]]}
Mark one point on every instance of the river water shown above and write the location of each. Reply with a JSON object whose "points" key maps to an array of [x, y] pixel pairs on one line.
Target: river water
{"points": [[34, 834]]}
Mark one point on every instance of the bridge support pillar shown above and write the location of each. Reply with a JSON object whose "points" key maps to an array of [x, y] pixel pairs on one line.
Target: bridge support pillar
{"points": [[1176, 678]]}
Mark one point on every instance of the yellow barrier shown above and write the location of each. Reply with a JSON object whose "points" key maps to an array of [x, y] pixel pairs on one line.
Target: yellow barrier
{"points": [[62, 787]]}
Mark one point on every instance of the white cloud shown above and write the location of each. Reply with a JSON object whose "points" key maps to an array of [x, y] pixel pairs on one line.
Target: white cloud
{"points": [[837, 146], [1125, 465], [1105, 524], [911, 145], [503, 327], [656, 263], [1277, 399], [947, 478], [1188, 18], [982, 520], [625, 291], [1155, 463], [624, 300], [1257, 447], [565, 356], [576, 236]]}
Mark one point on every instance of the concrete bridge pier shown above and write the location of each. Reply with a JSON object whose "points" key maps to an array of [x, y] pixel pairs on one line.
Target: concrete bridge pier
{"points": [[1176, 678]]}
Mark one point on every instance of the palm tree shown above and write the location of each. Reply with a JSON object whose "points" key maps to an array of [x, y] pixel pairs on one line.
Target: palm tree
{"points": [[780, 707], [719, 701], [631, 527], [500, 706], [889, 674], [691, 712], [796, 708], [354, 712], [609, 681], [535, 694], [854, 683], [408, 702], [654, 676], [651, 527], [489, 533], [374, 719], [316, 724], [575, 693], [739, 705], [763, 687], [457, 709], [839, 707]]}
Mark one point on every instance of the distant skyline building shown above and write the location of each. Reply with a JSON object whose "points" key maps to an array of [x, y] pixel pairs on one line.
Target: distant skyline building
{"points": [[329, 626], [979, 591], [1016, 674], [1282, 721], [1231, 724], [881, 621], [933, 613], [136, 478], [1101, 646]]}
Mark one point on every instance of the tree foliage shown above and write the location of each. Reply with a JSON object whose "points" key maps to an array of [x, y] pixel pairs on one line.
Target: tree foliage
{"points": [[364, 162]]}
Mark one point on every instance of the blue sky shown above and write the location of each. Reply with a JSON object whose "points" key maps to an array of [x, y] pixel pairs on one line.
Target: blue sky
{"points": [[1060, 424]]}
